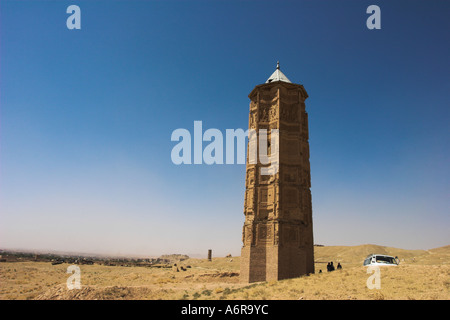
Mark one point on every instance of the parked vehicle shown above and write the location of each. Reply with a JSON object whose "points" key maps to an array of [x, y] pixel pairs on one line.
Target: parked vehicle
{"points": [[380, 260]]}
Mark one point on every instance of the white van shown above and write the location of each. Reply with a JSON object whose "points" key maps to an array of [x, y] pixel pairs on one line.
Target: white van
{"points": [[380, 260]]}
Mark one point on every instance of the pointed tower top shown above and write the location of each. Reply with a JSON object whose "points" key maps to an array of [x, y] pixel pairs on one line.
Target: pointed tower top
{"points": [[278, 75]]}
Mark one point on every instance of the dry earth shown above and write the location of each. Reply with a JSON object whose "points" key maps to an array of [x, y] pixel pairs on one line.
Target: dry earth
{"points": [[422, 274]]}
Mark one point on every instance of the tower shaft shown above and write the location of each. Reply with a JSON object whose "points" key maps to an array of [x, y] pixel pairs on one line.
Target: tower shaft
{"points": [[278, 234]]}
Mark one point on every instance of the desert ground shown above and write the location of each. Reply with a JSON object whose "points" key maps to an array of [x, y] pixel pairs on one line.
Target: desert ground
{"points": [[421, 275]]}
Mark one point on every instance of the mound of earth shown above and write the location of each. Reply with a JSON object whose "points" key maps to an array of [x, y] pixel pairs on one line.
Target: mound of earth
{"points": [[61, 292], [231, 277]]}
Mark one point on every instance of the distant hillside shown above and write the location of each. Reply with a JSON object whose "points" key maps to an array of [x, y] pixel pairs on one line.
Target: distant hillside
{"points": [[354, 255], [442, 250]]}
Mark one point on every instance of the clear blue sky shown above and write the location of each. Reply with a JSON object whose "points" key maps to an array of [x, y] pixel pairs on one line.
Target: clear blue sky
{"points": [[87, 116]]}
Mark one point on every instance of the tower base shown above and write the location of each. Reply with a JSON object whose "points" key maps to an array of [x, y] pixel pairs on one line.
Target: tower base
{"points": [[272, 263]]}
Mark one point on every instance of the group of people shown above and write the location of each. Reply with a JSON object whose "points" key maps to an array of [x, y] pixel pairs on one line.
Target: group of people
{"points": [[330, 267]]}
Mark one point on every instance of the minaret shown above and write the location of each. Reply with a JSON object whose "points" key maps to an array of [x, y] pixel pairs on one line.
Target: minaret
{"points": [[278, 232]]}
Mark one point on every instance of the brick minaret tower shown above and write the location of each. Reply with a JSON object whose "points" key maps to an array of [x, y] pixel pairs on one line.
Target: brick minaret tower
{"points": [[278, 232]]}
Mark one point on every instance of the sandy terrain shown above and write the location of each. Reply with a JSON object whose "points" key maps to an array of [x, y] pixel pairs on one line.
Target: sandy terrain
{"points": [[422, 274]]}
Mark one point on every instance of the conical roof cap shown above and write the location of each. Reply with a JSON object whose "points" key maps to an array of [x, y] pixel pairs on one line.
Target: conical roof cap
{"points": [[278, 75]]}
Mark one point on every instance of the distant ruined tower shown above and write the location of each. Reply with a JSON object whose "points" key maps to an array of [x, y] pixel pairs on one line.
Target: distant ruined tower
{"points": [[278, 231]]}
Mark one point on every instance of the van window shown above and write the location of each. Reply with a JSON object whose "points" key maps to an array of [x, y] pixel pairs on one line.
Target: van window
{"points": [[383, 259]]}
